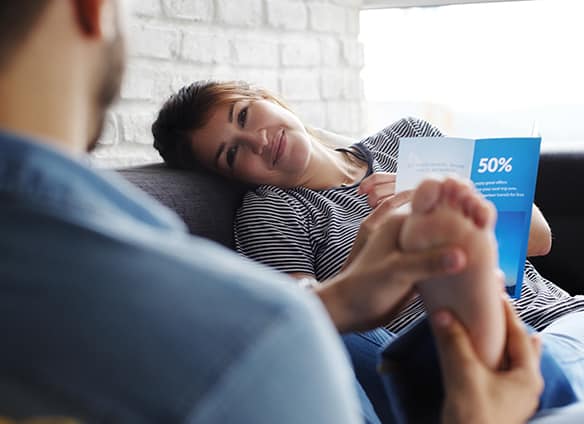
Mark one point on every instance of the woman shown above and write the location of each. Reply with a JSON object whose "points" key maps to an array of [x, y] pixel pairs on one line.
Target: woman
{"points": [[304, 219]]}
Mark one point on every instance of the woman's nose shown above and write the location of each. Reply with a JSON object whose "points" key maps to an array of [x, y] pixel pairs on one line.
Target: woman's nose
{"points": [[256, 141]]}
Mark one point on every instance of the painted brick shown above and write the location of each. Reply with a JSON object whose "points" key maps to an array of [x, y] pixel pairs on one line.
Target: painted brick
{"points": [[154, 42], [330, 51], [353, 22], [286, 14], [172, 78], [265, 78], [356, 4], [240, 12], [205, 47], [186, 75], [195, 10], [109, 134], [304, 50], [353, 85], [341, 84], [151, 8], [255, 52], [300, 85], [326, 17], [136, 126], [332, 83], [138, 83], [301, 52], [124, 155], [353, 53], [344, 117], [312, 114]]}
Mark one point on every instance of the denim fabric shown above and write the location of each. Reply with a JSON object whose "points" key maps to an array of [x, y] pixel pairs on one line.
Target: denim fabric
{"points": [[367, 410], [109, 308], [564, 339], [572, 414], [364, 349], [414, 381]]}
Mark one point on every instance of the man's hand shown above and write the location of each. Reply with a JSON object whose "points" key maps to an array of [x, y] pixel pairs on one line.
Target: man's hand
{"points": [[477, 394], [378, 277], [370, 225]]}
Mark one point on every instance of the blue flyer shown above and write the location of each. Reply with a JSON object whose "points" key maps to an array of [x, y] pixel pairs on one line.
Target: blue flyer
{"points": [[504, 170]]}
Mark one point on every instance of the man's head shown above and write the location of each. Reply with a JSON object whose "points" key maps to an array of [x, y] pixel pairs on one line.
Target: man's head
{"points": [[16, 23], [61, 65]]}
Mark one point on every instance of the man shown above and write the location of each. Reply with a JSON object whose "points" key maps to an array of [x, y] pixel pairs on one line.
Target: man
{"points": [[111, 313]]}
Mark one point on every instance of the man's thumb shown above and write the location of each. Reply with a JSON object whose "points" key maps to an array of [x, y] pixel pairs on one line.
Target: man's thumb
{"points": [[453, 343]]}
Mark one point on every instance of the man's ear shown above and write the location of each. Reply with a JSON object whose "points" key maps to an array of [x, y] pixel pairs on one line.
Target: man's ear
{"points": [[88, 13]]}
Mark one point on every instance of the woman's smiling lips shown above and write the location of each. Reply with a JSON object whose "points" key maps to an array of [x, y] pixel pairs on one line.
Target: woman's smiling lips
{"points": [[279, 148]]}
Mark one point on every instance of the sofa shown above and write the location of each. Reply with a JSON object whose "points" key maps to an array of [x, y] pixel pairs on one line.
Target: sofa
{"points": [[207, 204]]}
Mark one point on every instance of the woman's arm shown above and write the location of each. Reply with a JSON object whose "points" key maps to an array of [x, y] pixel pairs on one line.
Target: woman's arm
{"points": [[540, 235], [379, 278]]}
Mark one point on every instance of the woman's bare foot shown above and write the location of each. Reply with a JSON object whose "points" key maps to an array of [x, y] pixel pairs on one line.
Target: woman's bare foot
{"points": [[451, 212]]}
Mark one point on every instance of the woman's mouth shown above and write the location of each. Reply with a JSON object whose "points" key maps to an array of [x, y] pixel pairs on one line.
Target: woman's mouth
{"points": [[279, 148]]}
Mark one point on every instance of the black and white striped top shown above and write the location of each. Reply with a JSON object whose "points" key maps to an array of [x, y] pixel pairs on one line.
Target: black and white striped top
{"points": [[308, 231]]}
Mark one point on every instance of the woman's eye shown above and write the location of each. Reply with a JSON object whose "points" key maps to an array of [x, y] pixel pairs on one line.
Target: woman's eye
{"points": [[230, 155], [242, 117]]}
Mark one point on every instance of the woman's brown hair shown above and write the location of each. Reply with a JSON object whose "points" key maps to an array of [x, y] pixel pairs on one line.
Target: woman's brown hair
{"points": [[190, 109]]}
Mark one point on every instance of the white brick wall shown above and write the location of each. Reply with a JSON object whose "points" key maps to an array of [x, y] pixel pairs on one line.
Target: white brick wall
{"points": [[305, 50]]}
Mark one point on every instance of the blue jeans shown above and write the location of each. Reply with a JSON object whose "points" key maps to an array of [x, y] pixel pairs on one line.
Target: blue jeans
{"points": [[564, 340], [563, 345], [364, 350]]}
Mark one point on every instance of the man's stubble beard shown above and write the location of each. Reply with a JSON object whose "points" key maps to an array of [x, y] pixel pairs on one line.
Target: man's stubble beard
{"points": [[109, 87]]}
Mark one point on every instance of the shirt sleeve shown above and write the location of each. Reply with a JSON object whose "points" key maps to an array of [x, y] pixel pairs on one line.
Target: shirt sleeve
{"points": [[387, 139], [272, 227], [385, 143], [295, 371]]}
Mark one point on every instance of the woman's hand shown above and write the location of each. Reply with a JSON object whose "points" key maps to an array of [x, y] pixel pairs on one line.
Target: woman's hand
{"points": [[380, 187], [378, 278], [475, 393]]}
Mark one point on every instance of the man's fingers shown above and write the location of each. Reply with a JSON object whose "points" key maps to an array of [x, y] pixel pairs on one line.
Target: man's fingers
{"points": [[519, 344], [536, 343], [455, 350], [432, 263]]}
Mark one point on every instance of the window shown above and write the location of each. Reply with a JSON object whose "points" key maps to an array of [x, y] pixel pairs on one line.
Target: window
{"points": [[491, 69]]}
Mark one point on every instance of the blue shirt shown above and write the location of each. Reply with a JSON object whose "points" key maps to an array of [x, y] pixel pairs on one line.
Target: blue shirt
{"points": [[110, 312]]}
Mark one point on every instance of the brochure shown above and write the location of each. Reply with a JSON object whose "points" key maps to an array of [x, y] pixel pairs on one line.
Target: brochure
{"points": [[504, 170]]}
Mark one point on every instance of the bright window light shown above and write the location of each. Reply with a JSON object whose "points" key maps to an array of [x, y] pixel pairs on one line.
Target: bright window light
{"points": [[492, 69]]}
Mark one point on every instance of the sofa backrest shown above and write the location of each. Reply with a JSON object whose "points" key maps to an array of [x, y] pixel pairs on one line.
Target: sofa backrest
{"points": [[205, 202]]}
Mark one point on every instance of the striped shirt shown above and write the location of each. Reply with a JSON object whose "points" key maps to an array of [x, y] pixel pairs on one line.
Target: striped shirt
{"points": [[307, 231]]}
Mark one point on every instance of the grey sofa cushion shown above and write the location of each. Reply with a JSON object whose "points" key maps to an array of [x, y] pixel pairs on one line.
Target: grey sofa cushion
{"points": [[205, 202]]}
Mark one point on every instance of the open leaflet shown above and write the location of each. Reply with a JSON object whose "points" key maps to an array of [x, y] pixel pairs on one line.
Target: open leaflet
{"points": [[504, 170]]}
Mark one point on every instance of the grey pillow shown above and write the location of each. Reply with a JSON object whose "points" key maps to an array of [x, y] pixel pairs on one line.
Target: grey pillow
{"points": [[206, 202]]}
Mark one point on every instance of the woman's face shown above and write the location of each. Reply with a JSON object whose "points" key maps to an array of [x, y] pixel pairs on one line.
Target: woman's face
{"points": [[256, 141]]}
